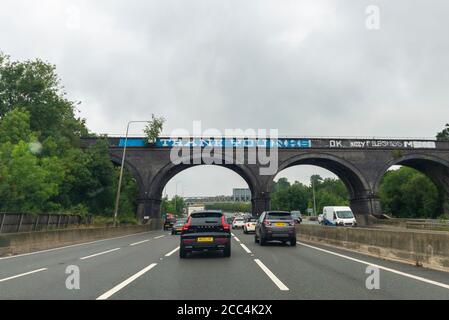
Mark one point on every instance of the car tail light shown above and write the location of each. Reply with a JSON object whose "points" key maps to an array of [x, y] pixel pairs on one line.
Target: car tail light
{"points": [[226, 226], [186, 226], [188, 241], [267, 223]]}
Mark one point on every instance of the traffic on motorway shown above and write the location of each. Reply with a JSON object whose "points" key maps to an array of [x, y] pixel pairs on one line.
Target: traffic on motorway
{"points": [[266, 262]]}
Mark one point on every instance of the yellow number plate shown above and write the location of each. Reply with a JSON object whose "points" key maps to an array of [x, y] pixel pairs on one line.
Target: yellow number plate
{"points": [[280, 224], [205, 239]]}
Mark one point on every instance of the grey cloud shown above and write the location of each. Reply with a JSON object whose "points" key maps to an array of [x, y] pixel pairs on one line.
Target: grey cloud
{"points": [[304, 67]]}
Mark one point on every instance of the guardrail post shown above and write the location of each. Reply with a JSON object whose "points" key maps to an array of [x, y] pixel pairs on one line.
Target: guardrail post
{"points": [[3, 221], [20, 223]]}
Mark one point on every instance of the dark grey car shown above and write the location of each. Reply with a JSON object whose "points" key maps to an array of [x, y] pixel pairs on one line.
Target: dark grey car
{"points": [[275, 225]]}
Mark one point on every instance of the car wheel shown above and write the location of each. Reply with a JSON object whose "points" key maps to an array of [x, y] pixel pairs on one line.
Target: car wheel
{"points": [[293, 242], [262, 241], [182, 253], [227, 251], [255, 238]]}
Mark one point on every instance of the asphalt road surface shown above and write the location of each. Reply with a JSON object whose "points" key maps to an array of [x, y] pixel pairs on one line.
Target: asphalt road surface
{"points": [[147, 266]]}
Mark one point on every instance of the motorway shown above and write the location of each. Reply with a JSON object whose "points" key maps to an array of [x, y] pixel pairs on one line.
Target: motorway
{"points": [[147, 266]]}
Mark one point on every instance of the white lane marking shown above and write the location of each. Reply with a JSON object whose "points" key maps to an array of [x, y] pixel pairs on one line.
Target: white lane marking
{"points": [[72, 245], [136, 243], [237, 239], [171, 252], [271, 275], [245, 248], [232, 234], [99, 254], [123, 284], [159, 237], [23, 274], [439, 284]]}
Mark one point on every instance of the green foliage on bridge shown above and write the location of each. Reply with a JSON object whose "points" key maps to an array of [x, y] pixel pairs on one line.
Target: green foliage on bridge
{"points": [[42, 167]]}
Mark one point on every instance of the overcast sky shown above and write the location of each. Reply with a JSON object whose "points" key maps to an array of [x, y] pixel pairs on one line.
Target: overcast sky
{"points": [[303, 67]]}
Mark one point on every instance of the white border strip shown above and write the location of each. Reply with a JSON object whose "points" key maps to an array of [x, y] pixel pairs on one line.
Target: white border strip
{"points": [[120, 286], [171, 252], [435, 283], [245, 248], [99, 254], [23, 274], [136, 243], [271, 275], [74, 245]]}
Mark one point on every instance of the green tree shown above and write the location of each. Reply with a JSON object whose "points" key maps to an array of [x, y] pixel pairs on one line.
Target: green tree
{"points": [[297, 196], [230, 206], [35, 86], [28, 183], [175, 205], [407, 193], [443, 134], [154, 128], [40, 140]]}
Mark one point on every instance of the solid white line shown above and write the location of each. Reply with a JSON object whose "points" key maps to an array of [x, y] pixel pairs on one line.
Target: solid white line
{"points": [[71, 246], [271, 275], [159, 237], [171, 252], [22, 274], [245, 248], [99, 254], [439, 284], [120, 286], [136, 243]]}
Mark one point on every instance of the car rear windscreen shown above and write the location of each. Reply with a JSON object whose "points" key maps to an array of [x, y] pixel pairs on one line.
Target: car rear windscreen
{"points": [[206, 218], [279, 216]]}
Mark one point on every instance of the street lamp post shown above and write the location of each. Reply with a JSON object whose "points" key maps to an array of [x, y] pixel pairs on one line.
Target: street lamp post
{"points": [[314, 200], [119, 187], [176, 192]]}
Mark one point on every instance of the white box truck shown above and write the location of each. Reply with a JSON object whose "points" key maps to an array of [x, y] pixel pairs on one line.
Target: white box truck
{"points": [[194, 207], [338, 216]]}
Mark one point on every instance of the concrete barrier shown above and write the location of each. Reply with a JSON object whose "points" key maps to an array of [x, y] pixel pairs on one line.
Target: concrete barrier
{"points": [[422, 248], [17, 243]]}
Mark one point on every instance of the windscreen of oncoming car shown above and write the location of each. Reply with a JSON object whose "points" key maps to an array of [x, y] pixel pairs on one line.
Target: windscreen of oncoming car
{"points": [[279, 216], [199, 218], [345, 214]]}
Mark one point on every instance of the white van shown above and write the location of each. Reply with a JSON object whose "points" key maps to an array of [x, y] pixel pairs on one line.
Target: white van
{"points": [[338, 216]]}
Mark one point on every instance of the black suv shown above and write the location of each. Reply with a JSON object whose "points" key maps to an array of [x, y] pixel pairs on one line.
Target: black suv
{"points": [[275, 225], [205, 231]]}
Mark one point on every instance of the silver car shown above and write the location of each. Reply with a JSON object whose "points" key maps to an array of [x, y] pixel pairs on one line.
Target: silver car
{"points": [[275, 225]]}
